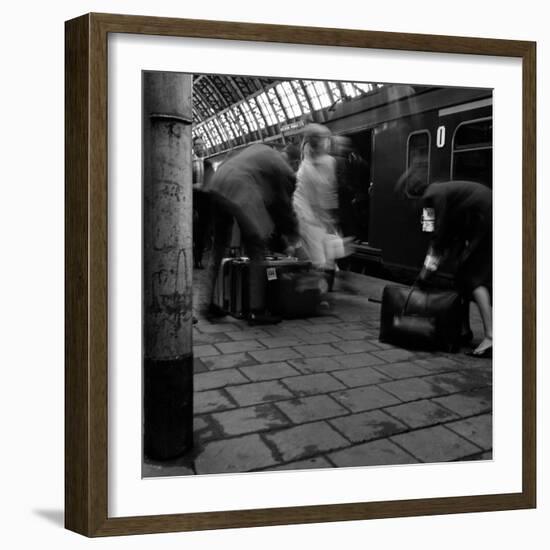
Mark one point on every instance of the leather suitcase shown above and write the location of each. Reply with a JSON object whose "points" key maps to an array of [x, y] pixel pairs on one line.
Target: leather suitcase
{"points": [[222, 292], [421, 318], [297, 294], [235, 273]]}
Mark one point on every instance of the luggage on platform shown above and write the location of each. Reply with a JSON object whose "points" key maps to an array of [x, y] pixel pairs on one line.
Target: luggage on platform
{"points": [[421, 318], [222, 291], [297, 294], [292, 290]]}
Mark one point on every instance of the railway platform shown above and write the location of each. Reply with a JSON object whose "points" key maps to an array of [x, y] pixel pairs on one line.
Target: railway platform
{"points": [[323, 392]]}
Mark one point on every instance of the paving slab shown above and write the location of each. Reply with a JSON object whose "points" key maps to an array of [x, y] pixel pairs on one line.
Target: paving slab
{"points": [[200, 338], [325, 319], [211, 400], [412, 389], [362, 427], [317, 364], [319, 338], [435, 364], [393, 355], [361, 376], [280, 341], [165, 470], [309, 409], [205, 430], [274, 355], [269, 371], [206, 327], [468, 403], [305, 441], [454, 382], [248, 334], [204, 350], [317, 350], [354, 346], [319, 328], [478, 430], [420, 414], [281, 331], [312, 384], [259, 392], [218, 379], [436, 444], [240, 454], [309, 464], [365, 398], [382, 345], [238, 346], [381, 452], [403, 369], [358, 334], [347, 327], [198, 366], [358, 360], [228, 361], [250, 419]]}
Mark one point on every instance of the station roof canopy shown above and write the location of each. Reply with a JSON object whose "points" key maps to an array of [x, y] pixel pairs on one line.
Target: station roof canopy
{"points": [[232, 111]]}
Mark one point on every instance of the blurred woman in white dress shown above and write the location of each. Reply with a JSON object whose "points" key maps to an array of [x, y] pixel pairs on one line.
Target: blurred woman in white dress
{"points": [[315, 199]]}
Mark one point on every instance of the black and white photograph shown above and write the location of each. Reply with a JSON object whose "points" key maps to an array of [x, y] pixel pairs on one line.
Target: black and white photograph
{"points": [[317, 274]]}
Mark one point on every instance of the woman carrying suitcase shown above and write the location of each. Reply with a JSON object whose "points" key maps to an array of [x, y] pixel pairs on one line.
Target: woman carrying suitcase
{"points": [[463, 215]]}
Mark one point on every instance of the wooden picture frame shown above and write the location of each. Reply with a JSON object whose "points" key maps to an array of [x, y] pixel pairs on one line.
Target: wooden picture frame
{"points": [[86, 415]]}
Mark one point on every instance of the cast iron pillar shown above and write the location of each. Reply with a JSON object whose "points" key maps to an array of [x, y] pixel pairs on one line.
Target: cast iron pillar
{"points": [[167, 265]]}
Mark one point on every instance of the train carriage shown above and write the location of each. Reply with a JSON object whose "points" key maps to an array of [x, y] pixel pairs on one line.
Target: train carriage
{"points": [[447, 132]]}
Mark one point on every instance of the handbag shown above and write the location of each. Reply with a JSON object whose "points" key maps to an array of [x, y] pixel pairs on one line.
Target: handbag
{"points": [[418, 318]]}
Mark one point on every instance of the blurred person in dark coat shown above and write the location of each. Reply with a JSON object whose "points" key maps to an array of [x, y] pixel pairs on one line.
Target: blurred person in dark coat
{"points": [[202, 172], [254, 187], [462, 227]]}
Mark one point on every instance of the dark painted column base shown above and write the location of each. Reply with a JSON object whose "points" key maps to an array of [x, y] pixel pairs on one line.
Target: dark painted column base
{"points": [[167, 407]]}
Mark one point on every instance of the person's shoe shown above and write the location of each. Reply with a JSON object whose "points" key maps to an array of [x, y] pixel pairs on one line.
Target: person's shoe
{"points": [[256, 318], [487, 353]]}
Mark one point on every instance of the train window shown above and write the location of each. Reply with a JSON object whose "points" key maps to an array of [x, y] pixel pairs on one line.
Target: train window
{"points": [[472, 155], [418, 153], [475, 133]]}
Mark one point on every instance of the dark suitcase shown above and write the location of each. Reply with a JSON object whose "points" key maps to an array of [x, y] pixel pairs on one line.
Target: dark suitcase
{"points": [[297, 294], [283, 274], [222, 291], [421, 318], [234, 285], [238, 304]]}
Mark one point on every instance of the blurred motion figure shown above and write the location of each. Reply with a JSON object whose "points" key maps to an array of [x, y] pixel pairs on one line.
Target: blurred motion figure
{"points": [[254, 187], [202, 172]]}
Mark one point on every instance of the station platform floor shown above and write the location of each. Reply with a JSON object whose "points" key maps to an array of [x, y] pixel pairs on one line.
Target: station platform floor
{"points": [[323, 392]]}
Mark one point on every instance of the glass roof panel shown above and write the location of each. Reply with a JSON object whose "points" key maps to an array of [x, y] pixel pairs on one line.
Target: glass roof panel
{"points": [[267, 109], [277, 108], [312, 92], [301, 96], [257, 111]]}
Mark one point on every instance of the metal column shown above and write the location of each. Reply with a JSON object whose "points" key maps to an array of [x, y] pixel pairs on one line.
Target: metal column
{"points": [[167, 265]]}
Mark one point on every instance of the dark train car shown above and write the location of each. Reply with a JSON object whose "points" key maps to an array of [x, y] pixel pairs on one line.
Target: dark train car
{"points": [[445, 131]]}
